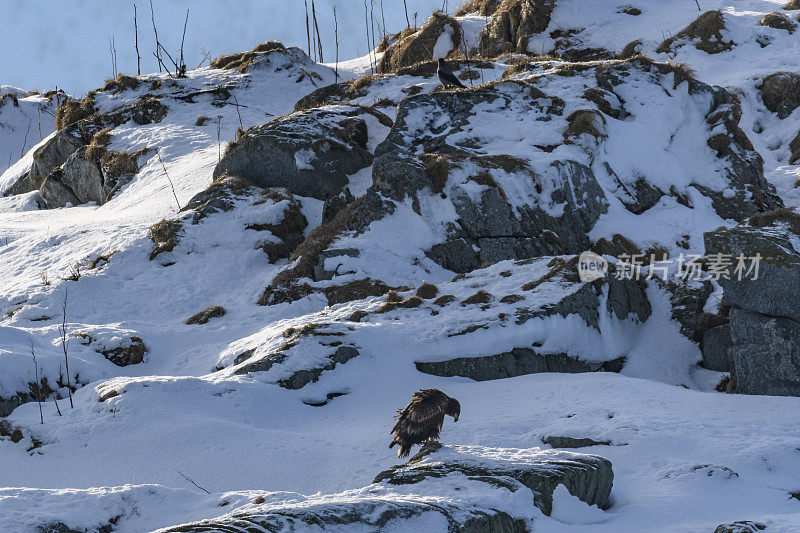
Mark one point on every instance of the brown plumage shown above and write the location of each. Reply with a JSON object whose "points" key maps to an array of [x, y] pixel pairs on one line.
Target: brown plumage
{"points": [[422, 419]]}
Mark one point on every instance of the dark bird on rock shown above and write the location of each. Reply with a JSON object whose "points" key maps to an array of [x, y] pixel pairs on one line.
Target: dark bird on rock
{"points": [[447, 77], [421, 420]]}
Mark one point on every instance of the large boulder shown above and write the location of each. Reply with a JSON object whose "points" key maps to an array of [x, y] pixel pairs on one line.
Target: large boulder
{"points": [[775, 292], [765, 354], [587, 477], [310, 153], [440, 35], [465, 489], [49, 157], [764, 349], [78, 181]]}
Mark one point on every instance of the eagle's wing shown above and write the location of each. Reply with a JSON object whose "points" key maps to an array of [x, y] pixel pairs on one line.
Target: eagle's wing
{"points": [[422, 418]]}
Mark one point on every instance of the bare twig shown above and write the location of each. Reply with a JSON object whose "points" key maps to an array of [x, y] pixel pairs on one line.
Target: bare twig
{"points": [[383, 20], [155, 31], [405, 6], [182, 68], [369, 50], [64, 343], [236, 103], [136, 42], [698, 5], [308, 30], [57, 407], [316, 29], [187, 478], [168, 179], [219, 142], [336, 38], [38, 389], [113, 51], [25, 141]]}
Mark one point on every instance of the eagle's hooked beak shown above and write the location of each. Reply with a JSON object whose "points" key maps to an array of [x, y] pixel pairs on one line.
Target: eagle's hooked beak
{"points": [[455, 419]]}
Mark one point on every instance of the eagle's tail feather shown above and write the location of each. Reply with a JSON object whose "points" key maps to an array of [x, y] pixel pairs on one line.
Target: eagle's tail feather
{"points": [[403, 451]]}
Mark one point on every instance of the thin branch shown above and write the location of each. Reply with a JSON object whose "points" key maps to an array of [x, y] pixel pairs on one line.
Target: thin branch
{"points": [[38, 389], [336, 38], [192, 482], [155, 31], [136, 43], [316, 28], [182, 69], [64, 343], [168, 179]]}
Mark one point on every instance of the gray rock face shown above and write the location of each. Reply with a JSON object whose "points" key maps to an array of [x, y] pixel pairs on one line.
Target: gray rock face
{"points": [[78, 181], [374, 515], [776, 292], [56, 193], [377, 508], [765, 354], [517, 362], [765, 312], [572, 442], [310, 153], [744, 526], [490, 227], [587, 477], [716, 343], [49, 157]]}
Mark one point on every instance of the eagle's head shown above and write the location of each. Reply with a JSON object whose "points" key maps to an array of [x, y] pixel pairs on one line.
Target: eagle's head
{"points": [[453, 409]]}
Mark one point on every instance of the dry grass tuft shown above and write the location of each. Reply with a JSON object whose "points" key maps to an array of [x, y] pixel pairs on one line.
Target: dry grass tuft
{"points": [[484, 8], [786, 215], [445, 299], [706, 30], [585, 121], [427, 291], [202, 120], [215, 311], [165, 235], [779, 21], [418, 47], [792, 5], [121, 83], [243, 60], [72, 111], [480, 297]]}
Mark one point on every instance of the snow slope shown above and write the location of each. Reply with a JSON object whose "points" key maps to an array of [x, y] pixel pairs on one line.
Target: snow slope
{"points": [[685, 458]]}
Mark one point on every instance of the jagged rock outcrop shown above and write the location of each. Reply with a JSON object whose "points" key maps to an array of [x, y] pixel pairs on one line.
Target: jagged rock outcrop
{"points": [[587, 477], [392, 503], [765, 310], [49, 157], [276, 214], [309, 153], [445, 154]]}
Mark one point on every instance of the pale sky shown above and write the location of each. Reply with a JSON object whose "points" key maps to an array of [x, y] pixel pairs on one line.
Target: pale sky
{"points": [[44, 43]]}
